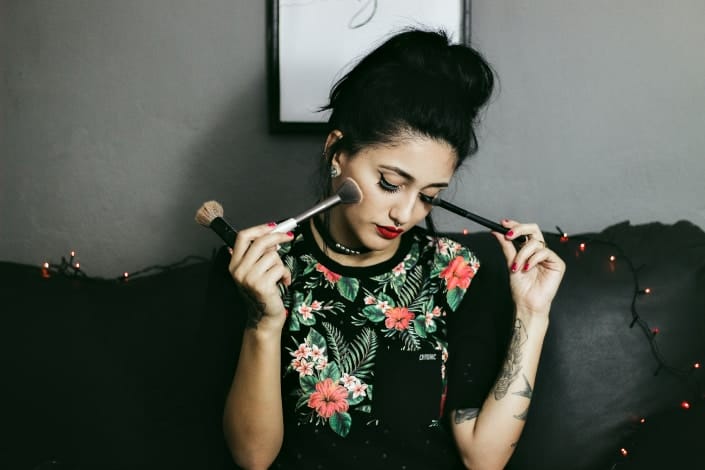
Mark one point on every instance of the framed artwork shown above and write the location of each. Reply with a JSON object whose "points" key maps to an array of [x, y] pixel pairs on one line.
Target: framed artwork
{"points": [[312, 43]]}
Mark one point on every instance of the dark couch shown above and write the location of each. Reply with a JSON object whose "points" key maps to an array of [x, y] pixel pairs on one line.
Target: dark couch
{"points": [[110, 374]]}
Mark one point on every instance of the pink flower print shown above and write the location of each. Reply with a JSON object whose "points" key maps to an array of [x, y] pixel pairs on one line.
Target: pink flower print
{"points": [[437, 312], [328, 399], [444, 355], [305, 367], [399, 269], [359, 390], [302, 352], [305, 311], [316, 305], [317, 353], [442, 247], [429, 319], [383, 306], [349, 381], [398, 318], [369, 300], [322, 363], [458, 273], [327, 273]]}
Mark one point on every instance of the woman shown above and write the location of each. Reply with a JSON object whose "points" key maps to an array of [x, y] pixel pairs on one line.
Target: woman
{"points": [[374, 356]]}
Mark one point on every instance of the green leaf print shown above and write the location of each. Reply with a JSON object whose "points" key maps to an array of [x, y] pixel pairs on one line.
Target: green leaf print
{"points": [[348, 287], [340, 423], [337, 346], [373, 314], [420, 325], [454, 297], [331, 371], [361, 355], [308, 383], [314, 338]]}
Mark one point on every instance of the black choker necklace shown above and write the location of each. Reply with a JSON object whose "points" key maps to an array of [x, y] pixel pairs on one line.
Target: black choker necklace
{"points": [[332, 244]]}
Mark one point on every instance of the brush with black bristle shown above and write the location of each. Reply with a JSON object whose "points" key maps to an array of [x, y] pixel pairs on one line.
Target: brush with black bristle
{"points": [[210, 214]]}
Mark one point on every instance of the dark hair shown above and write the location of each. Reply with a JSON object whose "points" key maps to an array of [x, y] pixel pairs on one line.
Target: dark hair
{"points": [[415, 83]]}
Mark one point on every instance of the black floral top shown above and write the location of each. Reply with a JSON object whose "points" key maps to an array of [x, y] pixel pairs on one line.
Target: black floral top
{"points": [[374, 358]]}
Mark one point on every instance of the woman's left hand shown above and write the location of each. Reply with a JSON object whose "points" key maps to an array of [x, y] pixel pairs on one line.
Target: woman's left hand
{"points": [[535, 271]]}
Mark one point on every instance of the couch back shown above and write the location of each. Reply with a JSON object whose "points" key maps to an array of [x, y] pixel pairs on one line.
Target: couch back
{"points": [[105, 374]]}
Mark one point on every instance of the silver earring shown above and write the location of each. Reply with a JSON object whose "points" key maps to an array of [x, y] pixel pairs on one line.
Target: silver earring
{"points": [[334, 172]]}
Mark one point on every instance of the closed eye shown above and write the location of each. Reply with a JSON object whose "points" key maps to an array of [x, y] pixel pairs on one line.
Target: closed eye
{"points": [[386, 185], [433, 200]]}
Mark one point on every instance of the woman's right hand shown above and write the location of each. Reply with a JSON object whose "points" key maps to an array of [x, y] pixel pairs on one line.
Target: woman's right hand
{"points": [[257, 270]]}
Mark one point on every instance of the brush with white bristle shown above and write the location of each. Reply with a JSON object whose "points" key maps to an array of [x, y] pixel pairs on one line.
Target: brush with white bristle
{"points": [[210, 214]]}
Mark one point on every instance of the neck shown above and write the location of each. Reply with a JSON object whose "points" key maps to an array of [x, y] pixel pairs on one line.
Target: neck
{"points": [[334, 245]]}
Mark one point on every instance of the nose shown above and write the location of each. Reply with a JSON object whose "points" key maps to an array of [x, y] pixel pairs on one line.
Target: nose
{"points": [[401, 212]]}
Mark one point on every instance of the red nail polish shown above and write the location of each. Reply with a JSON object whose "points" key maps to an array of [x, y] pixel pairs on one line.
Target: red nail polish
{"points": [[510, 233], [290, 234], [526, 267], [271, 224], [514, 267]]}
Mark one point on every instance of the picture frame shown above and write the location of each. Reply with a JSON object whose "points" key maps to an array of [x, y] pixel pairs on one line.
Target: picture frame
{"points": [[311, 43]]}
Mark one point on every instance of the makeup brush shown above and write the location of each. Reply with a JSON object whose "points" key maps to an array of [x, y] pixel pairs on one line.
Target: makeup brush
{"points": [[436, 201], [210, 214], [348, 193]]}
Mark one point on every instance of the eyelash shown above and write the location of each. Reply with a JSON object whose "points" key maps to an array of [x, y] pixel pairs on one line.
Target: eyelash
{"points": [[387, 186], [393, 188]]}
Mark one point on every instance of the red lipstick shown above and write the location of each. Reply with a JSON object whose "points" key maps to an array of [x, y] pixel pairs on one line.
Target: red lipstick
{"points": [[389, 232]]}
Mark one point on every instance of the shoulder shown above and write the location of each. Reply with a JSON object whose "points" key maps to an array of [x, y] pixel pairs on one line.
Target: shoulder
{"points": [[446, 251]]}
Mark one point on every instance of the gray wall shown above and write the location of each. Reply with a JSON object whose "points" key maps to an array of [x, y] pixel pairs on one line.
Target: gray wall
{"points": [[118, 119]]}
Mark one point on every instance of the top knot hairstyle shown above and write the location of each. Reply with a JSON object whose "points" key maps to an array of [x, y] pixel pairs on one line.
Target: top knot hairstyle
{"points": [[415, 83]]}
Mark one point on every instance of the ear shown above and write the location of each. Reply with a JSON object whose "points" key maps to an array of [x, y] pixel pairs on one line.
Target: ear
{"points": [[334, 136]]}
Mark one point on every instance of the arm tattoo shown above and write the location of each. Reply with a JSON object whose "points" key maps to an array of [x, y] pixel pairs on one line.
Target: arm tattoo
{"points": [[512, 364], [466, 414], [253, 308], [527, 391], [522, 415]]}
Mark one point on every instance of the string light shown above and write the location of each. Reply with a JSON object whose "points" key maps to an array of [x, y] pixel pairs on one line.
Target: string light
{"points": [[465, 231], [71, 268], [651, 333]]}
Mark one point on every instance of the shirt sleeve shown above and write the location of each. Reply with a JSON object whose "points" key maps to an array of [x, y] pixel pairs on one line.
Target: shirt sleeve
{"points": [[478, 335]]}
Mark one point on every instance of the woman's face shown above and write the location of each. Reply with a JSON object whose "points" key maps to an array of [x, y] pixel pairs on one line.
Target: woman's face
{"points": [[392, 178]]}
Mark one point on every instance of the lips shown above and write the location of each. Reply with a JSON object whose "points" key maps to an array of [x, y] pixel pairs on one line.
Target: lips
{"points": [[389, 232]]}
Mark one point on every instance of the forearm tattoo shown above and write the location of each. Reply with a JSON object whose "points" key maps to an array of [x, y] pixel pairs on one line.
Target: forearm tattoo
{"points": [[466, 414], [526, 392], [253, 308], [512, 364]]}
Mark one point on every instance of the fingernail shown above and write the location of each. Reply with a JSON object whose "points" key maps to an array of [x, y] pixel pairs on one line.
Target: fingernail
{"points": [[230, 250], [505, 220], [290, 234], [510, 233], [514, 267], [526, 267], [271, 224]]}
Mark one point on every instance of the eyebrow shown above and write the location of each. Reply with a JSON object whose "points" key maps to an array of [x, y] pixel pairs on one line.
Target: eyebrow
{"points": [[406, 175]]}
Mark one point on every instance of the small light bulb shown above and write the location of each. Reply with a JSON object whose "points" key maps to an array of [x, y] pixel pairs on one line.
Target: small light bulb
{"points": [[582, 247], [696, 365], [73, 253], [564, 237], [624, 452], [45, 265], [125, 275], [642, 420], [685, 405], [613, 258], [77, 265], [655, 331], [647, 290], [465, 231]]}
